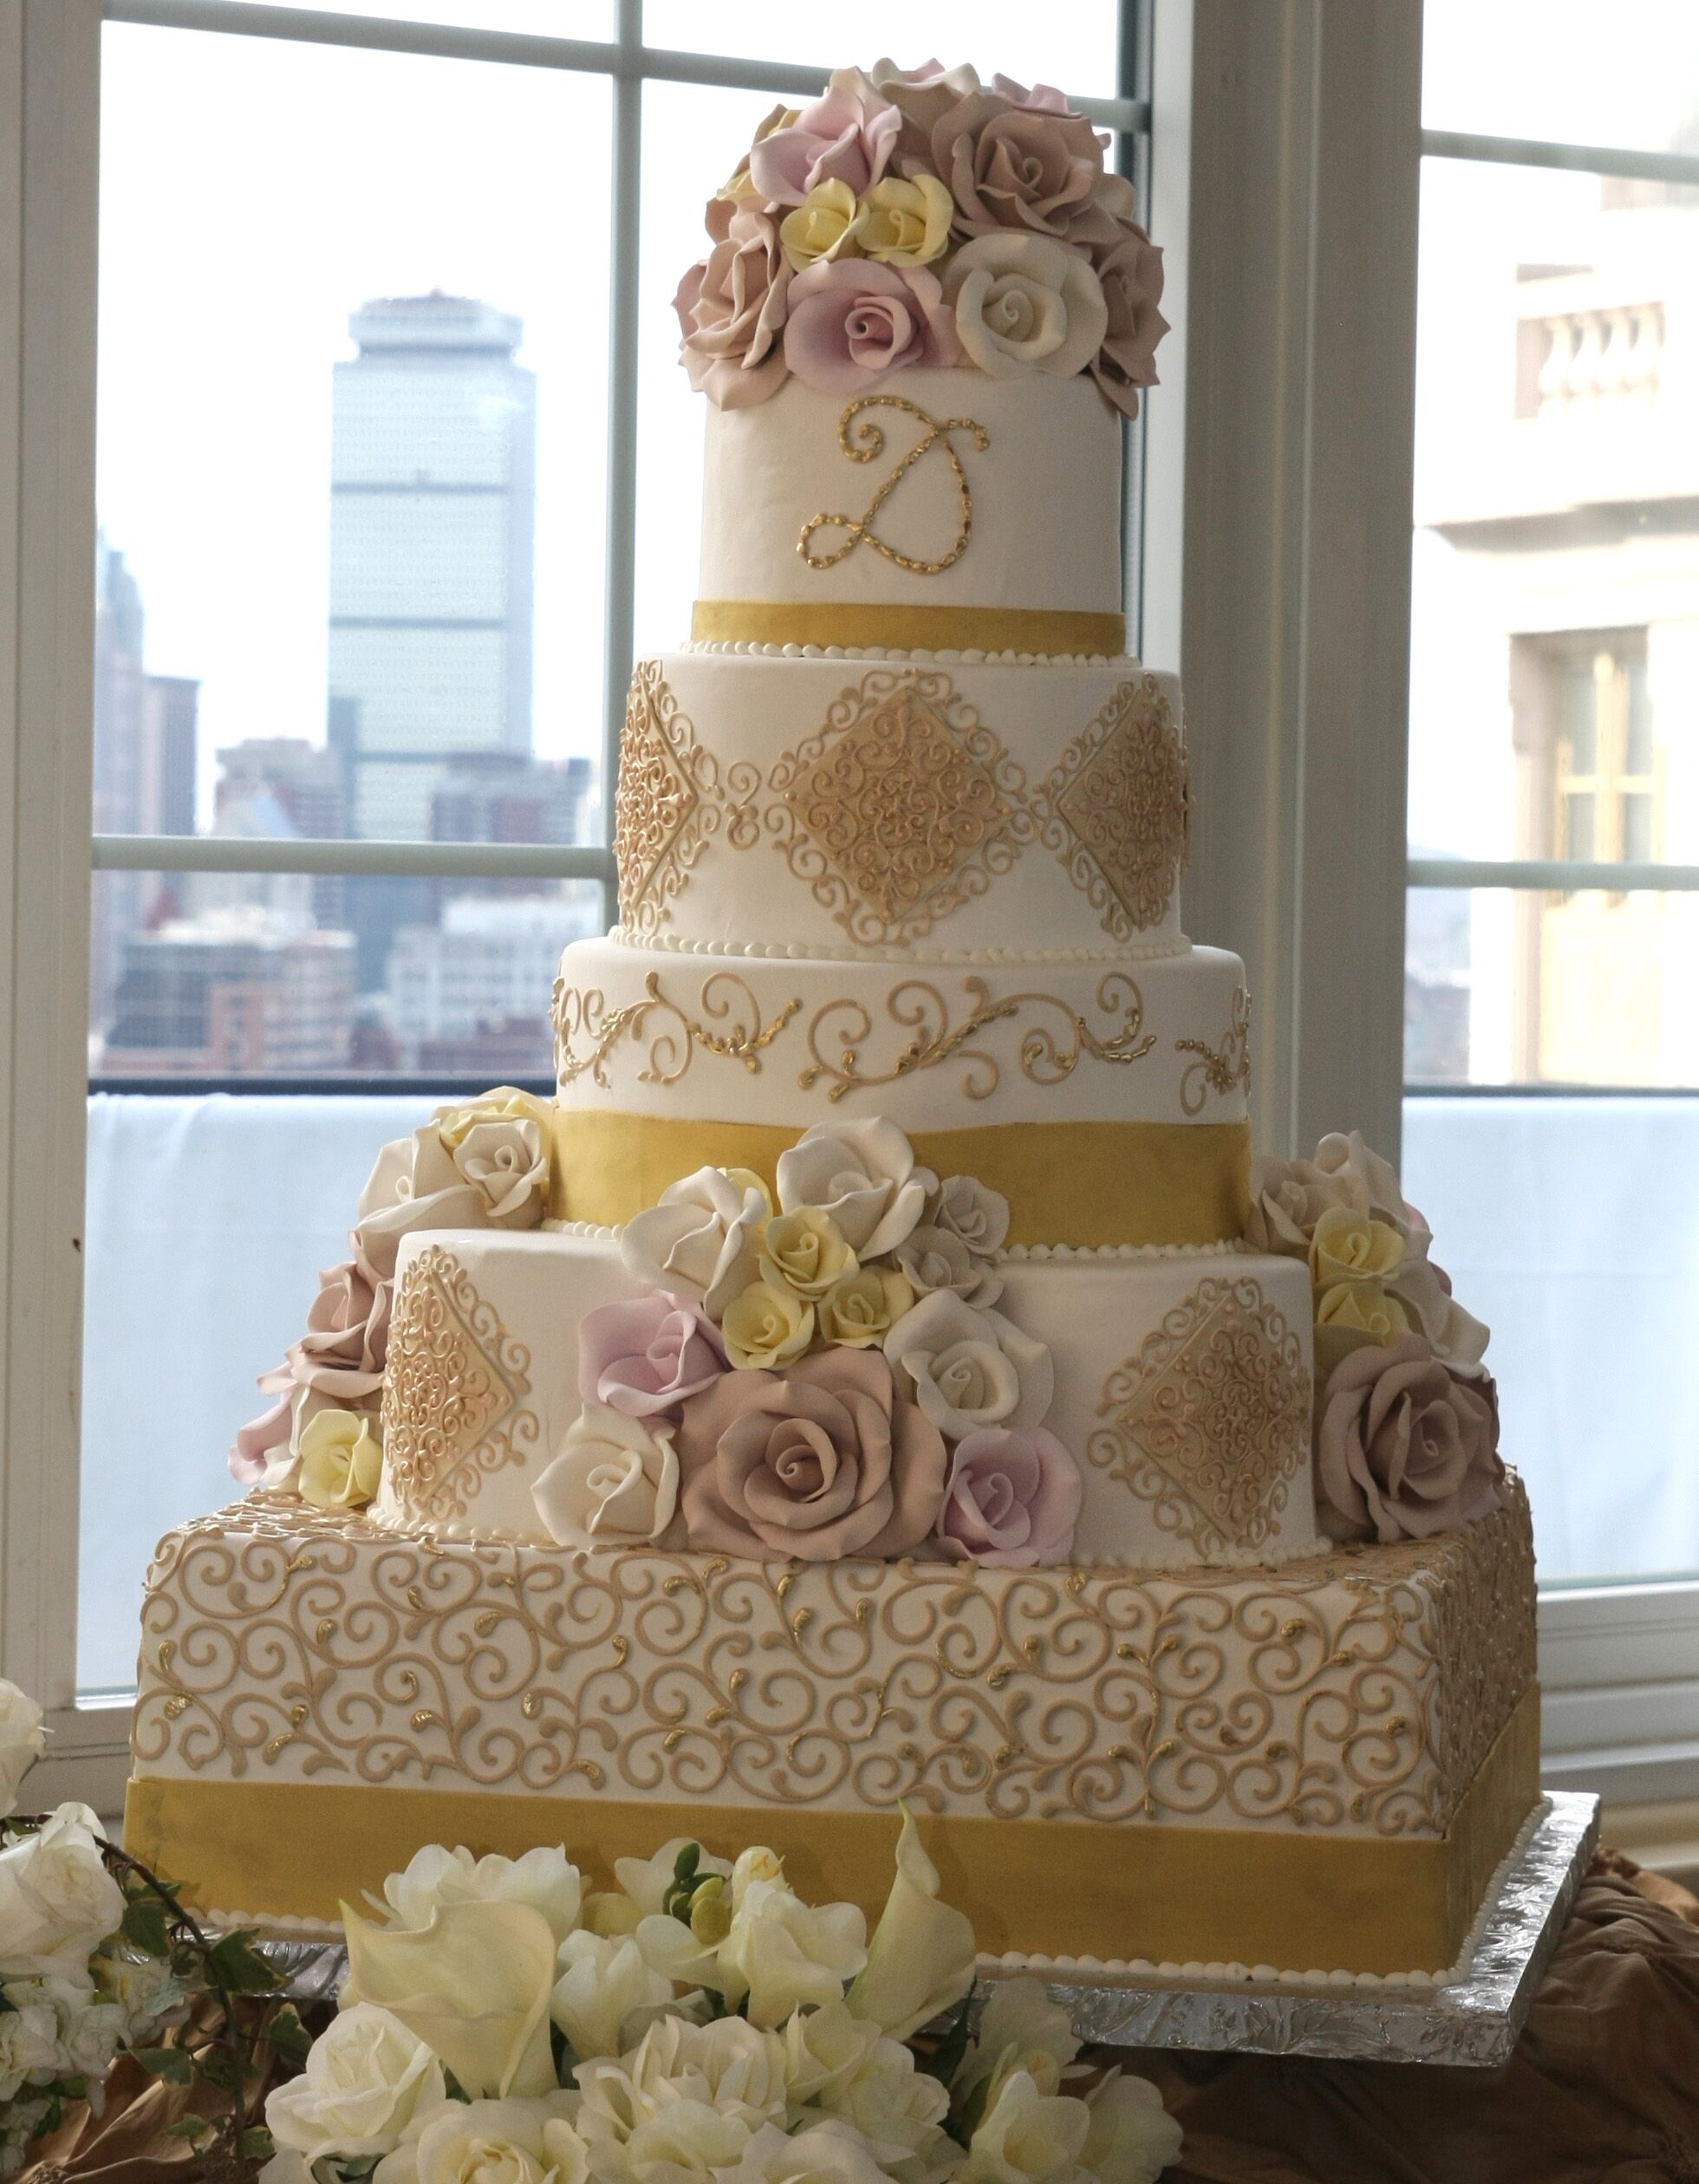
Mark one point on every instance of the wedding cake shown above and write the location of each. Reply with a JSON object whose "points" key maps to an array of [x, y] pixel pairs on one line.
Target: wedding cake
{"points": [[881, 1376]]}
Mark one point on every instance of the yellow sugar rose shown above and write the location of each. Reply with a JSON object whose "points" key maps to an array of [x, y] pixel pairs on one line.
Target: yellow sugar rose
{"points": [[906, 222], [1349, 1246], [805, 1251], [826, 224], [766, 1328], [505, 1104], [746, 1179], [861, 1308], [1364, 1306], [341, 1460]]}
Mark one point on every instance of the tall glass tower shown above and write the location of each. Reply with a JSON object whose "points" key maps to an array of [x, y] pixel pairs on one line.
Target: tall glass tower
{"points": [[433, 512]]}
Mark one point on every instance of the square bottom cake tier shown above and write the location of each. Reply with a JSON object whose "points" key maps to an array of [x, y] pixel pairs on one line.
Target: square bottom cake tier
{"points": [[1314, 1768]]}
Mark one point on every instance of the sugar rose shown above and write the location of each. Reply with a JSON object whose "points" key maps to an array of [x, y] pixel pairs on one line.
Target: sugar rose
{"points": [[824, 229], [1405, 1447], [864, 1174], [341, 1354], [731, 306], [341, 1460], [907, 222], [1033, 170], [861, 1308], [1130, 273], [615, 1483], [852, 321], [1025, 304], [935, 1259], [500, 1145], [645, 1355], [846, 136], [699, 1240], [805, 1251], [818, 1462], [970, 1369], [766, 1327], [1011, 1500]]}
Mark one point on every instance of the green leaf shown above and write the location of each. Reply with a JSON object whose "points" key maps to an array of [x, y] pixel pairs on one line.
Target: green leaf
{"points": [[358, 2166], [238, 1966], [193, 2128], [290, 2037], [171, 2063], [146, 1927], [255, 2143], [218, 2066]]}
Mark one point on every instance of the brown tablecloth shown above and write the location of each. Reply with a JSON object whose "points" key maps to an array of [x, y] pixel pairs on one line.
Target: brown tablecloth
{"points": [[1602, 2087]]}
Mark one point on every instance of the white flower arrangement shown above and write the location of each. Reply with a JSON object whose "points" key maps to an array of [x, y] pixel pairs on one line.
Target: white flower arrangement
{"points": [[698, 2023]]}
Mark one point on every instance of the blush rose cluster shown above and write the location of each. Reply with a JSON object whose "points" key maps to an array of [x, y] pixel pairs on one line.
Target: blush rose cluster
{"points": [[815, 1372], [914, 216], [1407, 1414], [486, 1165], [504, 2021]]}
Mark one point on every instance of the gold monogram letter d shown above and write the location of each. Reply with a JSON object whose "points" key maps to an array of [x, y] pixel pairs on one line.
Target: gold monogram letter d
{"points": [[863, 441]]}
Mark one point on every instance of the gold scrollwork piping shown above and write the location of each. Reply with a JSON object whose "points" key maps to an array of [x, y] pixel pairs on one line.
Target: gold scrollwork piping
{"points": [[1116, 809], [1218, 1069], [672, 1043], [863, 441], [672, 796]]}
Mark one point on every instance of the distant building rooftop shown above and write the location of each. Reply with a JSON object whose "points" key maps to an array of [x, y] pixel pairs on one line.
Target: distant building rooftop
{"points": [[434, 322]]}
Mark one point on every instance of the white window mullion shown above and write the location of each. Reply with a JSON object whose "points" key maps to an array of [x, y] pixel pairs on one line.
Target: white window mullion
{"points": [[625, 230]]}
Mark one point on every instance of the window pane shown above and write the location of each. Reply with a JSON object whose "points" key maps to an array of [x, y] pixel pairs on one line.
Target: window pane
{"points": [[543, 18], [1073, 47], [1565, 69], [1568, 1225]]}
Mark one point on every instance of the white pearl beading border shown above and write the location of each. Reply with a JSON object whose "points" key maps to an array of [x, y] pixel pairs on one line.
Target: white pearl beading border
{"points": [[851, 952], [747, 648]]}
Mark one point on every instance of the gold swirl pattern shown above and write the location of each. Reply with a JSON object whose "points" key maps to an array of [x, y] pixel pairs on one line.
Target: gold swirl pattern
{"points": [[584, 1012], [452, 1384], [1116, 810], [1359, 1689], [1210, 1422], [921, 1010], [902, 808], [1222, 1068], [670, 800], [863, 441]]}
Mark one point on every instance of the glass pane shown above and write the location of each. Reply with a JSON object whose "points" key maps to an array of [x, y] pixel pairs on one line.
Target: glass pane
{"points": [[1577, 840], [1518, 987], [1567, 1225], [1074, 47], [1579, 725], [1636, 810], [1564, 69], [1638, 748], [543, 18]]}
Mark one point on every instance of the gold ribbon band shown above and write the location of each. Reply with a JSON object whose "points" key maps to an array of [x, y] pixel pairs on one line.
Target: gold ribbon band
{"points": [[1174, 1893], [1084, 1184], [906, 628]]}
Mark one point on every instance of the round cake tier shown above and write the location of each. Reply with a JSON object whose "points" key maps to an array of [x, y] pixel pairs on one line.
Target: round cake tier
{"points": [[877, 802], [1182, 1388], [947, 509]]}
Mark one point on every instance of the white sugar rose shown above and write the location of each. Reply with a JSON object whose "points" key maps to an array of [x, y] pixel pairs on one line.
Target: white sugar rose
{"points": [[508, 2142], [933, 1259], [701, 1240], [413, 1185], [862, 1174], [964, 1207], [367, 2077], [474, 1985], [969, 1369], [57, 1900], [1027, 2136], [544, 1878], [1132, 2138], [920, 1960], [1025, 303], [828, 2153], [500, 1144], [21, 1741], [602, 1982], [1021, 2028], [805, 1251], [615, 1483]]}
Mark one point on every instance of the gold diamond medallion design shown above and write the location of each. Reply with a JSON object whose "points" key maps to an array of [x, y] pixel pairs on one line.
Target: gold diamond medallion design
{"points": [[1116, 808], [656, 800], [453, 1382]]}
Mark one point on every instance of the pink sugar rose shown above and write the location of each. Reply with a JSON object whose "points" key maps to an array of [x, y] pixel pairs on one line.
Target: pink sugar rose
{"points": [[731, 306], [1131, 273], [1012, 1499], [1405, 1447], [257, 1443], [847, 135], [819, 1462], [1036, 169], [342, 1352], [852, 320], [644, 1357]]}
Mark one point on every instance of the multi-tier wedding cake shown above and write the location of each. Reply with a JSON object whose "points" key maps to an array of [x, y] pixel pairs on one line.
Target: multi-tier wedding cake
{"points": [[880, 1375]]}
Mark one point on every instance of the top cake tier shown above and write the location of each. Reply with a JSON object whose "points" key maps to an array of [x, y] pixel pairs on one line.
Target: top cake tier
{"points": [[945, 511]]}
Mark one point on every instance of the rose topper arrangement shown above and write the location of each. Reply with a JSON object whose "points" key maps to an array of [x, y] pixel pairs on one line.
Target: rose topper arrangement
{"points": [[699, 2023], [914, 218], [1407, 1415], [819, 1379]]}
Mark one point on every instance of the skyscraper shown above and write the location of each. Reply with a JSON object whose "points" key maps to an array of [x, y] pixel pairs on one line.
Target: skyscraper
{"points": [[432, 514]]}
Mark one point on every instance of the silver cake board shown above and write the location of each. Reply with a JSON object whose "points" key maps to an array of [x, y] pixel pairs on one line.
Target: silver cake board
{"points": [[1473, 2020]]}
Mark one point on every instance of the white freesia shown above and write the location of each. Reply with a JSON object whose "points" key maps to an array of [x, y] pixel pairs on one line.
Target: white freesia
{"points": [[1020, 2029], [544, 1878], [507, 2141], [1132, 2138], [756, 1863], [687, 2140], [602, 1981], [736, 2066], [787, 1954], [968, 1368], [1027, 2136], [920, 1960], [57, 1900], [614, 1483], [366, 2076], [862, 1174], [828, 2153], [823, 2051], [898, 2108], [699, 1240], [22, 1740], [90, 2034], [474, 1985], [646, 1881], [1026, 303], [29, 2043]]}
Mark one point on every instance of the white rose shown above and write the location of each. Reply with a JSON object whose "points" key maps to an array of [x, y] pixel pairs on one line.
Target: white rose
{"points": [[1369, 1179], [22, 1740], [864, 1175], [57, 1900], [500, 1145], [1025, 303], [898, 2108], [969, 1369], [686, 2141], [367, 2077], [1020, 2029], [701, 1240], [1027, 2137], [933, 1260], [614, 1484], [543, 1878], [413, 1185], [1455, 1336], [90, 2038], [1132, 2138], [829, 2152], [510, 2141], [28, 2041], [737, 2067], [601, 1982], [787, 1954], [920, 1961]]}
